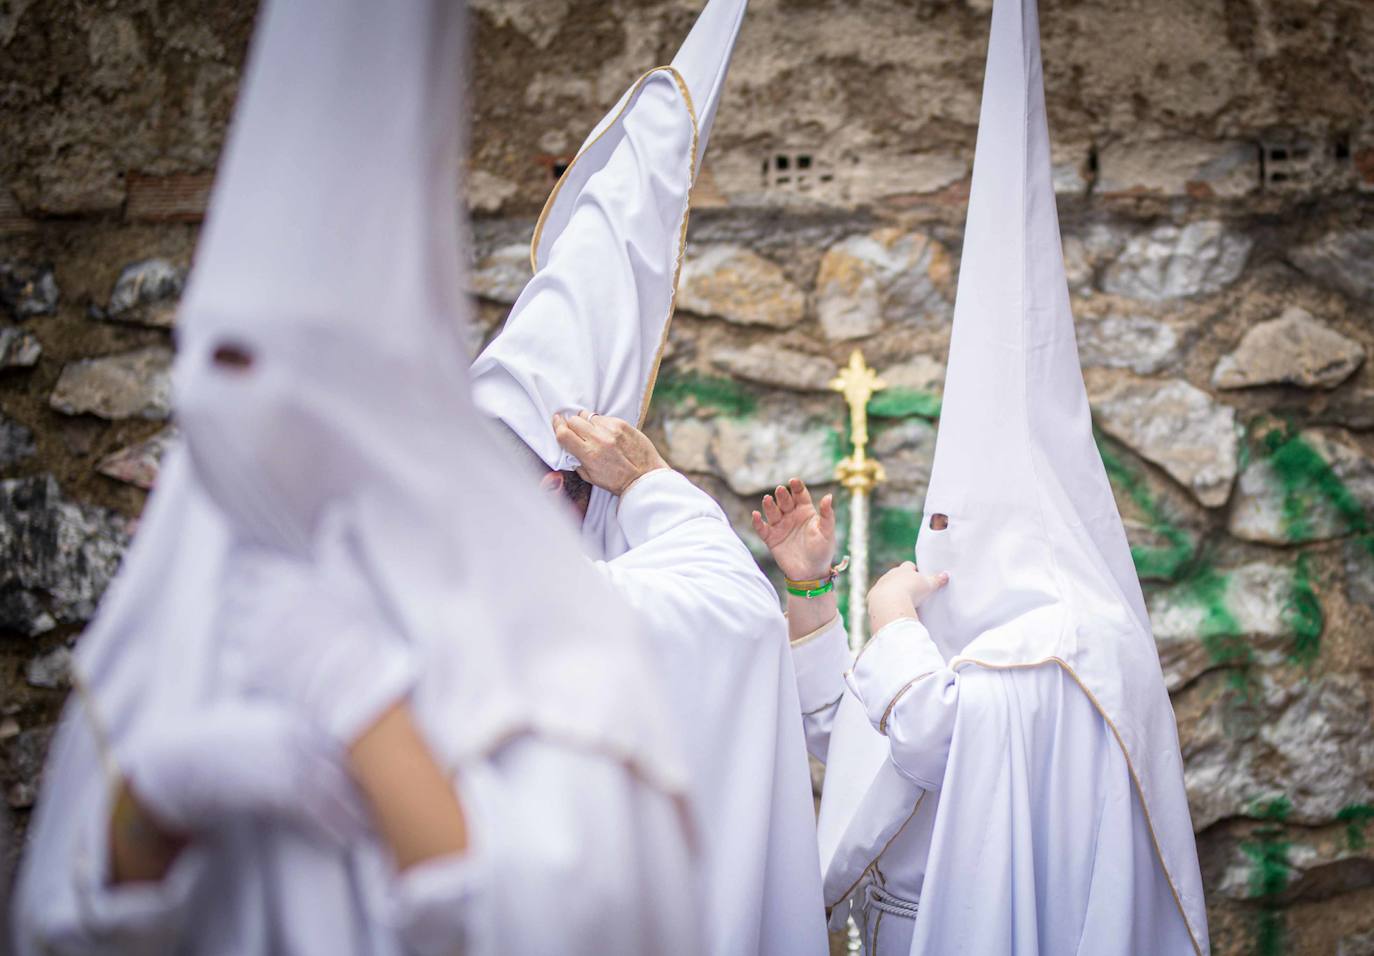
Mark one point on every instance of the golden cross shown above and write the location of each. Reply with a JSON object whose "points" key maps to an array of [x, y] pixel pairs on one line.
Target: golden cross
{"points": [[857, 383]]}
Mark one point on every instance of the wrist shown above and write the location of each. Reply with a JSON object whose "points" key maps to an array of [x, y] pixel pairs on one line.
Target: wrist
{"points": [[806, 615], [662, 466], [141, 849], [814, 571], [883, 610], [817, 583]]}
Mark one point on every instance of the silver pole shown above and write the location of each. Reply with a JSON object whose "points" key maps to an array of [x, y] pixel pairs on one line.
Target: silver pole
{"points": [[858, 569]]}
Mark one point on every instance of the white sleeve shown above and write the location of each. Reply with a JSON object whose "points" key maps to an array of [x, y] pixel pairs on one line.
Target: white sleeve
{"points": [[821, 659], [910, 696], [685, 563], [662, 500], [144, 917], [64, 901], [436, 906]]}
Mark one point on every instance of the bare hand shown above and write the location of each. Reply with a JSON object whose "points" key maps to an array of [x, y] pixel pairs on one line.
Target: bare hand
{"points": [[899, 592], [800, 536], [614, 454]]}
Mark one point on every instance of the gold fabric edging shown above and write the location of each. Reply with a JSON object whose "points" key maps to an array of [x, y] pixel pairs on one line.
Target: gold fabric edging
{"points": [[682, 231], [873, 863], [1130, 765], [97, 727]]}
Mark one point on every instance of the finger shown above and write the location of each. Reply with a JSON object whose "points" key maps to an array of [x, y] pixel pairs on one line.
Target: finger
{"points": [[760, 528], [581, 426], [941, 579], [592, 426], [784, 498], [771, 510], [828, 514], [568, 439], [800, 491]]}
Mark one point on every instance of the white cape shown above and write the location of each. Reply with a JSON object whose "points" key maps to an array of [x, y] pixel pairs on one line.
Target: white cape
{"points": [[331, 252], [1043, 618], [587, 333], [723, 646]]}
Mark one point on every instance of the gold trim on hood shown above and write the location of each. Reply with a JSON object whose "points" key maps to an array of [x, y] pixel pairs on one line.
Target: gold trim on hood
{"points": [[686, 210]]}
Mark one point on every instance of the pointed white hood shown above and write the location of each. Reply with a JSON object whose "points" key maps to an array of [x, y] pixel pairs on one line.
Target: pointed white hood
{"points": [[589, 329], [332, 252], [1039, 565]]}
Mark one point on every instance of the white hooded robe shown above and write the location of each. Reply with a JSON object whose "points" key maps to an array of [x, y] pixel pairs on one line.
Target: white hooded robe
{"points": [[332, 249], [1004, 775], [587, 333]]}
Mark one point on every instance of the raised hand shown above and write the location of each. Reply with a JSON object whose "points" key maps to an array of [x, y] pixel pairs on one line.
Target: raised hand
{"points": [[614, 454], [899, 592], [800, 535]]}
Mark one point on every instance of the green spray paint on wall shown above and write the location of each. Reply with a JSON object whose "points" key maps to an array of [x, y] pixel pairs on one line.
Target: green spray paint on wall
{"points": [[705, 391], [1304, 615], [904, 403], [1220, 632], [1166, 563], [1270, 873], [893, 537], [1357, 817], [1307, 481]]}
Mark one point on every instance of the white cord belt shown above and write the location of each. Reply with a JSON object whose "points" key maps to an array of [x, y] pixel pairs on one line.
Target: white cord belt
{"points": [[877, 898]]}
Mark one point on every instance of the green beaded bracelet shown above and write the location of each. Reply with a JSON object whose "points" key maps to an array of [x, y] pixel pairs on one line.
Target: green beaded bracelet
{"points": [[816, 592]]}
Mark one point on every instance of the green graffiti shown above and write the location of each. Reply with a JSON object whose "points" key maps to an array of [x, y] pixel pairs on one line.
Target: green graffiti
{"points": [[1304, 615], [837, 444], [904, 403], [894, 535], [1270, 873], [1276, 809], [1166, 563], [1306, 481], [1221, 634], [1356, 818], [706, 391]]}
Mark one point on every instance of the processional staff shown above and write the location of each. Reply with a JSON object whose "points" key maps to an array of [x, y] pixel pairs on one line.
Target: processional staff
{"points": [[860, 474]]}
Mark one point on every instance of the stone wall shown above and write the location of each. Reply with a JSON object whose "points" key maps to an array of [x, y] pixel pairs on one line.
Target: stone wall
{"points": [[1215, 169]]}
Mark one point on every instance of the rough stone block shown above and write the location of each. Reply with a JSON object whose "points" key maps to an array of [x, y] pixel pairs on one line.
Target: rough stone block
{"points": [[1342, 259], [59, 555], [1312, 486], [133, 384], [138, 464], [146, 293], [1201, 169], [1140, 343], [27, 290], [739, 286], [888, 276], [16, 442], [18, 349], [1175, 425], [1172, 262], [1294, 349], [1308, 739], [775, 365], [502, 275]]}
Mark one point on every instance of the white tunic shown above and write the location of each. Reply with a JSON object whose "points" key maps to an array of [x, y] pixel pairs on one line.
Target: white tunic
{"points": [[542, 818], [1009, 821], [723, 644]]}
